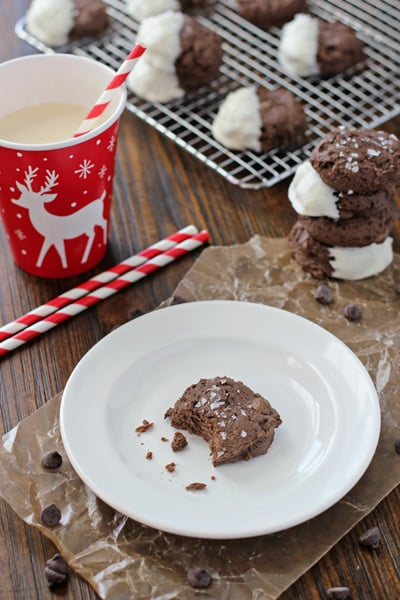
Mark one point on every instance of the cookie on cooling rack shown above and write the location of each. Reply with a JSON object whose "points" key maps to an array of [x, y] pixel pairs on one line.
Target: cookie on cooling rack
{"points": [[269, 13], [254, 118], [310, 46], [182, 55], [141, 9], [57, 23]]}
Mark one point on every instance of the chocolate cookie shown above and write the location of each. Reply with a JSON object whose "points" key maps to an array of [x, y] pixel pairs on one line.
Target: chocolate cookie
{"points": [[311, 255], [142, 9], [350, 204], [283, 119], [56, 23], [369, 226], [91, 19], [258, 119], [338, 262], [312, 47], [270, 13], [188, 4], [237, 423], [338, 48], [200, 58], [360, 160], [182, 55]]}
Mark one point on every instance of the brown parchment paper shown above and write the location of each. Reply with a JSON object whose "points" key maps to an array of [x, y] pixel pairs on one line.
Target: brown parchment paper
{"points": [[123, 559]]}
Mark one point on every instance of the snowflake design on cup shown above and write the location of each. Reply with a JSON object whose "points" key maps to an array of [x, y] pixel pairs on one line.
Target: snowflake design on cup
{"points": [[84, 169], [102, 172], [111, 143]]}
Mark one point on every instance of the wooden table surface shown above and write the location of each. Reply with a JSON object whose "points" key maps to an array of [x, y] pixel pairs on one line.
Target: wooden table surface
{"points": [[158, 189]]}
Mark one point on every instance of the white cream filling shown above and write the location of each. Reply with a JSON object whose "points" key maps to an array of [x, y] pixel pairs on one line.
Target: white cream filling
{"points": [[141, 9], [298, 47], [362, 262], [237, 124], [161, 37], [50, 21], [154, 76], [153, 84], [310, 196]]}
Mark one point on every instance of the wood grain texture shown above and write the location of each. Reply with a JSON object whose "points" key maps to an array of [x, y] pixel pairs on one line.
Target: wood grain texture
{"points": [[158, 189]]}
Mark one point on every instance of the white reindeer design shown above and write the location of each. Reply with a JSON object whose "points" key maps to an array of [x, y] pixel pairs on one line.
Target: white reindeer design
{"points": [[56, 228]]}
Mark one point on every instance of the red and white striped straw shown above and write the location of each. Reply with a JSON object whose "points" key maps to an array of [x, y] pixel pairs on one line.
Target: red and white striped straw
{"points": [[103, 292], [37, 314], [109, 93]]}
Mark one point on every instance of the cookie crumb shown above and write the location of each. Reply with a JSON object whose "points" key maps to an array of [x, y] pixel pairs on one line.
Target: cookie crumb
{"points": [[179, 442], [164, 439], [213, 477], [149, 455], [144, 426], [195, 486], [170, 467]]}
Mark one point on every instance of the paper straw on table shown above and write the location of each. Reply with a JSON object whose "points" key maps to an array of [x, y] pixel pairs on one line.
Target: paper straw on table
{"points": [[103, 292], [108, 94], [37, 314]]}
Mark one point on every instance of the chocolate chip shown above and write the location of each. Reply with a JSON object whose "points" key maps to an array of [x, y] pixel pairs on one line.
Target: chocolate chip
{"points": [[50, 515], [352, 312], [338, 593], [397, 445], [323, 294], [56, 571], [53, 578], [198, 577], [51, 460], [58, 564], [371, 537]]}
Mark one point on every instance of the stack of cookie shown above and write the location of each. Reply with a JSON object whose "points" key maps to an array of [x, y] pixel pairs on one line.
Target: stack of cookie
{"points": [[344, 198]]}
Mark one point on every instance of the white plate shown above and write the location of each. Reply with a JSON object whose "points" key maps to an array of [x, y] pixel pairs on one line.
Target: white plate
{"points": [[329, 407]]}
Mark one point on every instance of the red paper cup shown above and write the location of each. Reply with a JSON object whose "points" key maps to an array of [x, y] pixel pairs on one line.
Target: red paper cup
{"points": [[55, 198]]}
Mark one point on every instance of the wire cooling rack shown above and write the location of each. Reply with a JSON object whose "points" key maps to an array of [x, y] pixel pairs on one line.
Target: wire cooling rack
{"points": [[366, 96]]}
